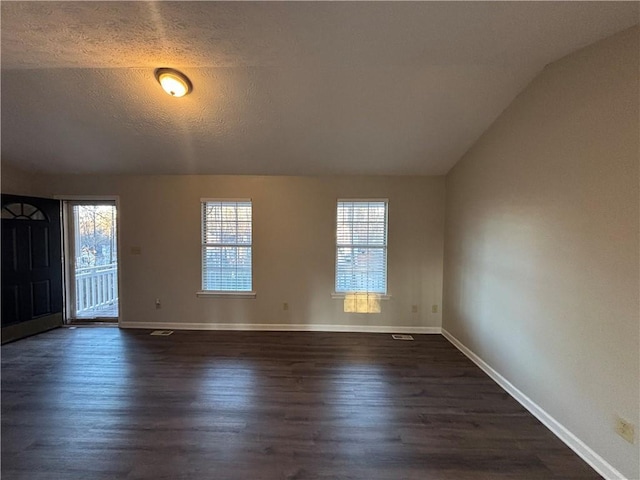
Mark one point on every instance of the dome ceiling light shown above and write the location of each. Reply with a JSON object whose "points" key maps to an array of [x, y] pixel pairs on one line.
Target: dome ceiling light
{"points": [[173, 82]]}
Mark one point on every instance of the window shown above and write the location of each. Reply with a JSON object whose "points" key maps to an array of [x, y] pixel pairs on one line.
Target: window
{"points": [[226, 246], [361, 246]]}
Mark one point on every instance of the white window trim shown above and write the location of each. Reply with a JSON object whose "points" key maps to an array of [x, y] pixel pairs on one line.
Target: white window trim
{"points": [[240, 294], [204, 200], [382, 296], [225, 294], [385, 200], [342, 295]]}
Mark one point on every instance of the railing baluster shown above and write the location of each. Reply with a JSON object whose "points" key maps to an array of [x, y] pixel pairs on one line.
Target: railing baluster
{"points": [[85, 297], [96, 287], [89, 281], [99, 285], [83, 288], [107, 281], [87, 293], [78, 293], [94, 290]]}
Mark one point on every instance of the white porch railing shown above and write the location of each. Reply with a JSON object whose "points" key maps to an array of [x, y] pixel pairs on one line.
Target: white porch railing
{"points": [[96, 287]]}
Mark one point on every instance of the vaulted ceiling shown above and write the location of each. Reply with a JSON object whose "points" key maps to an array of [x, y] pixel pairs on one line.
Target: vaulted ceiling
{"points": [[300, 88]]}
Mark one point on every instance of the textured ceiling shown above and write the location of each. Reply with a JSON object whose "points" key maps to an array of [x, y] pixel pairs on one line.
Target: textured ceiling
{"points": [[279, 88]]}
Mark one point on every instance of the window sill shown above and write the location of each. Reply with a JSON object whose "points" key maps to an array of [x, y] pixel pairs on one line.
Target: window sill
{"points": [[222, 294], [341, 295]]}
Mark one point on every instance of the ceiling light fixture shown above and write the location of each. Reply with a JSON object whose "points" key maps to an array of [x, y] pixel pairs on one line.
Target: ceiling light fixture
{"points": [[173, 82]]}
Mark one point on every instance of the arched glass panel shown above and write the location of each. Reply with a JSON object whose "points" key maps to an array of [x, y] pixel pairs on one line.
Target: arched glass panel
{"points": [[22, 211]]}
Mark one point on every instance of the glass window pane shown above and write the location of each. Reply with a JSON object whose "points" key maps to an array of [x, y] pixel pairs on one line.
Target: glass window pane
{"points": [[28, 210], [361, 250], [226, 257]]}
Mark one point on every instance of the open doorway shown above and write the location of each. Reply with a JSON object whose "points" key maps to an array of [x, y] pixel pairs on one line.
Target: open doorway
{"points": [[91, 245]]}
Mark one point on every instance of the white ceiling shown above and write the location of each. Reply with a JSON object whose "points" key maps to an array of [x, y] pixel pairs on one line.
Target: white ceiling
{"points": [[301, 88]]}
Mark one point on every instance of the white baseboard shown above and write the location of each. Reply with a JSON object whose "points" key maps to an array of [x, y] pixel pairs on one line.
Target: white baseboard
{"points": [[282, 327], [598, 463]]}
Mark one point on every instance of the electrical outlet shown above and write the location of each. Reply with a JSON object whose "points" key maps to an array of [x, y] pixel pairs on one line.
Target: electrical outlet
{"points": [[285, 306], [434, 308], [414, 308], [158, 304], [625, 429]]}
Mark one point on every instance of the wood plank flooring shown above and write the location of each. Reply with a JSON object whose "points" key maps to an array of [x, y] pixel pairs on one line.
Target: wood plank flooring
{"points": [[104, 403]]}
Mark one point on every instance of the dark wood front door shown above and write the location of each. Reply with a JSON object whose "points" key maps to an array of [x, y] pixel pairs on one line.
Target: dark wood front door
{"points": [[31, 266]]}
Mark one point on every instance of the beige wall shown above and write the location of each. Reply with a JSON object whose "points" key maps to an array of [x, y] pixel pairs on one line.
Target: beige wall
{"points": [[541, 245], [294, 250], [16, 181]]}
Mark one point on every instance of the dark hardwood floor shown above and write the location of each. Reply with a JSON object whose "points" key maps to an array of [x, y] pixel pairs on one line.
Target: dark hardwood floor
{"points": [[102, 403]]}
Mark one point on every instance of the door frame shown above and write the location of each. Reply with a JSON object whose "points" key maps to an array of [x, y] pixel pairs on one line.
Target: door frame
{"points": [[68, 242]]}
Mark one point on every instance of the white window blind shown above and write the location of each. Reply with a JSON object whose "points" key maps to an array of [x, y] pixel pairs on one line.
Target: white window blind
{"points": [[226, 245], [361, 246]]}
